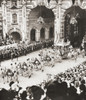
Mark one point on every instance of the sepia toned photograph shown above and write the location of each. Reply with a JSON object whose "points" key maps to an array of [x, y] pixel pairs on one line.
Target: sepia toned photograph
{"points": [[42, 49]]}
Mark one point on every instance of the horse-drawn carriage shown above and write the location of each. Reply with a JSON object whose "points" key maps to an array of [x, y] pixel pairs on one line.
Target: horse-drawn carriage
{"points": [[63, 48]]}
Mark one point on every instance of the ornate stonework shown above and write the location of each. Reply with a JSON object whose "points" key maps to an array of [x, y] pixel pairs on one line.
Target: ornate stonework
{"points": [[23, 8]]}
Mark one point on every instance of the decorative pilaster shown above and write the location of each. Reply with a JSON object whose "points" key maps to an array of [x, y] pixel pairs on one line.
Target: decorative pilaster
{"points": [[18, 3], [37, 35], [28, 36], [23, 21], [27, 24], [4, 14], [47, 34], [57, 24]]}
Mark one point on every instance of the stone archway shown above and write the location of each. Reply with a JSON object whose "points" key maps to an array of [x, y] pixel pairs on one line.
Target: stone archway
{"points": [[16, 37], [15, 34], [41, 17], [32, 35]]}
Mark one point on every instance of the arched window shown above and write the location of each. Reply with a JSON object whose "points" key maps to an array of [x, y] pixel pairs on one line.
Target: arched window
{"points": [[32, 34], [14, 17], [42, 33]]}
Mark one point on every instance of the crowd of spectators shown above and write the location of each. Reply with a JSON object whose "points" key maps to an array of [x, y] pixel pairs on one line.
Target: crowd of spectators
{"points": [[9, 40], [70, 85], [10, 52], [46, 57]]}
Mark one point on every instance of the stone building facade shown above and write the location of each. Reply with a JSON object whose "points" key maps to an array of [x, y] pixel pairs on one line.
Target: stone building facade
{"points": [[35, 20]]}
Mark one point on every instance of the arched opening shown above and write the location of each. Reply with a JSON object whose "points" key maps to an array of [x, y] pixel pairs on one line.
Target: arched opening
{"points": [[32, 35], [51, 32], [75, 23], [41, 17], [42, 33], [16, 37]]}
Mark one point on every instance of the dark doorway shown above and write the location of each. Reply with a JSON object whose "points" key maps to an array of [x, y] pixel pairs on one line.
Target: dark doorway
{"points": [[74, 25], [51, 32], [32, 35], [16, 37], [42, 33]]}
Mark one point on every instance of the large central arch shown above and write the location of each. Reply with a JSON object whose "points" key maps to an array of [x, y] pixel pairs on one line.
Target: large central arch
{"points": [[42, 18]]}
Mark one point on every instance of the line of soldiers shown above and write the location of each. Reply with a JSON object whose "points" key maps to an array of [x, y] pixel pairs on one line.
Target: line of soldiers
{"points": [[22, 49]]}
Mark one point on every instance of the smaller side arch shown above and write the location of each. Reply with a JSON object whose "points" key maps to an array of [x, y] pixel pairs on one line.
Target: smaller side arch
{"points": [[15, 35], [33, 34], [14, 30], [42, 33]]}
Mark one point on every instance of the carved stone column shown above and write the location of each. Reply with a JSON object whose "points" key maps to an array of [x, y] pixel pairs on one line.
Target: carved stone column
{"points": [[47, 33], [4, 14], [37, 35], [27, 24], [23, 21], [57, 24]]}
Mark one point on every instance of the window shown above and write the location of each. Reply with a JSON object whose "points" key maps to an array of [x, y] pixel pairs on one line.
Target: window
{"points": [[14, 17], [33, 31], [42, 33]]}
